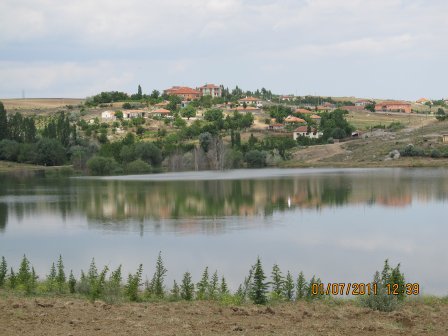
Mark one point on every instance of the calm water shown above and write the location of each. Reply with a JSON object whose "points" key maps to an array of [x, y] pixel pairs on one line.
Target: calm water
{"points": [[337, 224]]}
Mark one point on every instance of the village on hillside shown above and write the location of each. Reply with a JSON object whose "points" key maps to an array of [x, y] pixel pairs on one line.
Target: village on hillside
{"points": [[212, 127]]}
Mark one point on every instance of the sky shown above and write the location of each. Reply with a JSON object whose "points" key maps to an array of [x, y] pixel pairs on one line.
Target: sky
{"points": [[391, 49]]}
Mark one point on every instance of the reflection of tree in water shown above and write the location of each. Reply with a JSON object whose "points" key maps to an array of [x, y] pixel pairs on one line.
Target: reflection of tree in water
{"points": [[336, 190], [3, 216]]}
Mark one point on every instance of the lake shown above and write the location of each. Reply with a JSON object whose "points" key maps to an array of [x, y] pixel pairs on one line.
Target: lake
{"points": [[339, 224]]}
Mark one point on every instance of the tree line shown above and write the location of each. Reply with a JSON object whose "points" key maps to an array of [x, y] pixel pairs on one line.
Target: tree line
{"points": [[256, 288]]}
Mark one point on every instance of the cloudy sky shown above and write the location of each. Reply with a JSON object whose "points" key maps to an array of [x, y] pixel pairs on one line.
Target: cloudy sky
{"points": [[365, 48]]}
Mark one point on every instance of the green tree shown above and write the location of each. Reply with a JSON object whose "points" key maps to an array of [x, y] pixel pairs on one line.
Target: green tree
{"points": [[301, 287], [3, 122], [205, 140], [60, 277], [187, 287], [50, 152], [288, 287], [277, 281], [202, 286], [71, 283], [223, 289], [51, 278], [119, 115], [255, 159], [440, 114], [137, 167], [99, 165], [159, 278], [148, 152], [188, 112], [175, 292], [259, 286], [3, 272], [212, 290], [133, 284], [12, 279]]}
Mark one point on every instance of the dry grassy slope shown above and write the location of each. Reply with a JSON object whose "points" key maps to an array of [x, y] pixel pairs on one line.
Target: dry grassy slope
{"points": [[373, 150], [67, 316]]}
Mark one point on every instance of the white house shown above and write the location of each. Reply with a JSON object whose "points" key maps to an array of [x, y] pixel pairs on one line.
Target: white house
{"points": [[303, 131], [250, 101], [108, 115]]}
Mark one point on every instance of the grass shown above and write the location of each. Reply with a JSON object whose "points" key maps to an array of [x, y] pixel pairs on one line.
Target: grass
{"points": [[364, 120]]}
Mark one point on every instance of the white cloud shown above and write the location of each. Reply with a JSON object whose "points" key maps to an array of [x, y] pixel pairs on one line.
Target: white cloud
{"points": [[244, 40]]}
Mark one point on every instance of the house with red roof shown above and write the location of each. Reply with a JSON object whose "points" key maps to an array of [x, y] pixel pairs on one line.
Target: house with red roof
{"points": [[211, 90], [394, 106], [309, 132], [292, 119], [184, 92]]}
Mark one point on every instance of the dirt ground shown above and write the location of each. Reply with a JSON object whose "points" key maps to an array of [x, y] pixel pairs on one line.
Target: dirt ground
{"points": [[39, 103], [64, 316]]}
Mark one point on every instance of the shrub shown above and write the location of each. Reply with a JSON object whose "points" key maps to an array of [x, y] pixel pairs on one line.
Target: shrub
{"points": [[134, 283], [435, 153], [138, 167], [411, 150], [99, 165], [255, 159], [381, 300], [259, 286], [3, 272], [50, 152], [9, 150], [395, 126], [187, 287]]}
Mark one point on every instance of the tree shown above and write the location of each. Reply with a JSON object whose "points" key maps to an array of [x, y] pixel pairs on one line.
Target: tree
{"points": [[133, 284], [3, 272], [255, 159], [223, 289], [71, 283], [259, 286], [99, 165], [159, 278], [202, 286], [148, 152], [137, 167], [301, 288], [155, 94], [119, 115], [139, 92], [60, 277], [50, 152], [440, 114], [288, 287], [188, 112], [277, 281], [187, 287], [205, 139], [3, 122]]}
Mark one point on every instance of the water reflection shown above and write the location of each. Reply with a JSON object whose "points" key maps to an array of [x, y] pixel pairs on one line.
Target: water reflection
{"points": [[182, 205], [339, 224]]}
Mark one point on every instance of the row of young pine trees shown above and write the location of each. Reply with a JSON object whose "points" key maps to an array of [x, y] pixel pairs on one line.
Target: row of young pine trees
{"points": [[98, 285]]}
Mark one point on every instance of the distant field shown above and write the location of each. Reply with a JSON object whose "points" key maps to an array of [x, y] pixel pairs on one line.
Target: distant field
{"points": [[39, 103], [365, 120]]}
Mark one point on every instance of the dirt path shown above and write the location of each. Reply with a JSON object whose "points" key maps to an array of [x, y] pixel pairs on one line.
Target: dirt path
{"points": [[317, 153], [61, 316]]}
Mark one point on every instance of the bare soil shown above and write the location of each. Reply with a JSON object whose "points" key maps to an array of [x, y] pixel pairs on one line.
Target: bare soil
{"points": [[64, 316]]}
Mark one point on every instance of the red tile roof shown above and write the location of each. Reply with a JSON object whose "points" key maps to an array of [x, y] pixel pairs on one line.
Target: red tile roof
{"points": [[182, 90], [304, 111], [393, 102], [304, 129], [209, 86], [294, 119], [161, 111]]}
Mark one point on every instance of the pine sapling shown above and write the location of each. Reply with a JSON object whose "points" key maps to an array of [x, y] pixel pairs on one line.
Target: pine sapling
{"points": [[12, 279], [212, 291], [134, 282], [51, 278], [288, 287], [277, 281], [223, 289], [202, 286], [301, 287], [24, 275], [3, 272], [259, 287], [60, 277], [175, 292], [187, 287], [159, 277], [71, 283]]}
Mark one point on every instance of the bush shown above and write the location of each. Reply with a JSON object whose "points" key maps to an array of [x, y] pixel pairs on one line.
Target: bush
{"points": [[9, 150], [395, 126], [255, 159], [99, 165], [138, 167], [435, 153], [411, 150], [50, 152]]}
